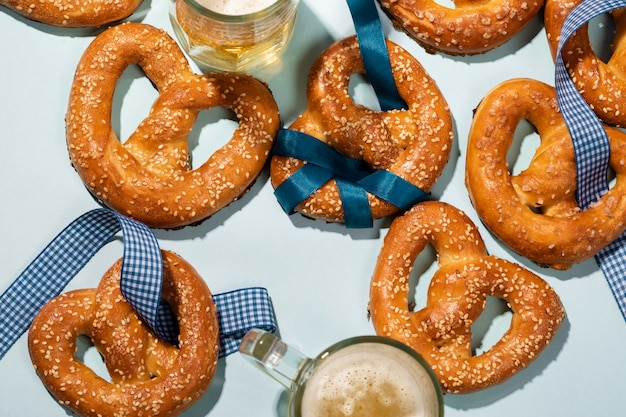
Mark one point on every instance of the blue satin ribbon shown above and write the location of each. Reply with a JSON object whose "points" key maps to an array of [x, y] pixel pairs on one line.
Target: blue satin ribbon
{"points": [[591, 144], [353, 177], [374, 53]]}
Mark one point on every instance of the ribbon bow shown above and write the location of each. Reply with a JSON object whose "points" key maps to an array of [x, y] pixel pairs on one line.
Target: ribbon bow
{"points": [[353, 177], [591, 144], [141, 281]]}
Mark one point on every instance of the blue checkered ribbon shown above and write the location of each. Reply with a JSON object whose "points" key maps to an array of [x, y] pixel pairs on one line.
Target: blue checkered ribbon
{"points": [[353, 177], [141, 281], [591, 144], [240, 311]]}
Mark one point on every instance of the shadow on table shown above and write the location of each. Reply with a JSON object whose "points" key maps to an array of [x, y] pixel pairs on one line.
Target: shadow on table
{"points": [[207, 402], [491, 395]]}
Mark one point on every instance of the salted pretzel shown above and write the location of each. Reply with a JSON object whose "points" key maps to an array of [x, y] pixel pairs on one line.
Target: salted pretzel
{"points": [[149, 377], [149, 177], [470, 27], [414, 144], [441, 330], [535, 212], [73, 13], [602, 84]]}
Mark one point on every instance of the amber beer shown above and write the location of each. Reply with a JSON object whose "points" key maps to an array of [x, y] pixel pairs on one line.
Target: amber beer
{"points": [[364, 376], [368, 380], [233, 35]]}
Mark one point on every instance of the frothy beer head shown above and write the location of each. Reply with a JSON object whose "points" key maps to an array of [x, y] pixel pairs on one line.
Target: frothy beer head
{"points": [[236, 7], [370, 380]]}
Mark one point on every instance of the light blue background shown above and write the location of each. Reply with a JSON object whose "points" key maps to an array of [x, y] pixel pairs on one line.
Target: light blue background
{"points": [[317, 274]]}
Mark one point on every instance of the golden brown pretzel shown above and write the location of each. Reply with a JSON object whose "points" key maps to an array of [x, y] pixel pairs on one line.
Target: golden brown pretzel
{"points": [[149, 177], [602, 85], [535, 212], [413, 144], [73, 13], [149, 377], [471, 27], [441, 331]]}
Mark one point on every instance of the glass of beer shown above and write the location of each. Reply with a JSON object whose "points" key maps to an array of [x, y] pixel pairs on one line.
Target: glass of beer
{"points": [[233, 35], [366, 376]]}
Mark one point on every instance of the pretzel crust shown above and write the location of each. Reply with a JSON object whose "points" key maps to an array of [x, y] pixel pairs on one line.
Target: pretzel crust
{"points": [[535, 212], [149, 377], [471, 27], [441, 330], [413, 144], [149, 177], [73, 13], [602, 84]]}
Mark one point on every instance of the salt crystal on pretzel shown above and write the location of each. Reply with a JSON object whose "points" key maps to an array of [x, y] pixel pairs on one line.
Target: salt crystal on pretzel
{"points": [[601, 84], [470, 27], [149, 377], [73, 13], [441, 331], [413, 144], [149, 177], [535, 212]]}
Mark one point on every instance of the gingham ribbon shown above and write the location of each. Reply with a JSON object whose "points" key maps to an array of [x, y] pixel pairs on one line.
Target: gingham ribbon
{"points": [[141, 281], [253, 310], [353, 177], [591, 144]]}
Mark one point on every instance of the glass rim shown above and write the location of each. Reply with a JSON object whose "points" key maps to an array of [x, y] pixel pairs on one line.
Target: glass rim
{"points": [[393, 343], [248, 17]]}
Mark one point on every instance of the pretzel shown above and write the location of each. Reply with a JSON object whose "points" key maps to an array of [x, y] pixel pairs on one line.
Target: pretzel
{"points": [[149, 377], [535, 212], [471, 27], [414, 144], [602, 85], [441, 330], [149, 177], [73, 13]]}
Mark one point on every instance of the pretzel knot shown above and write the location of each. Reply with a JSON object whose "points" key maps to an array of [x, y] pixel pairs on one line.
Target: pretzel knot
{"points": [[602, 84], [441, 331], [149, 177], [73, 13], [535, 212], [149, 377], [413, 144], [470, 27]]}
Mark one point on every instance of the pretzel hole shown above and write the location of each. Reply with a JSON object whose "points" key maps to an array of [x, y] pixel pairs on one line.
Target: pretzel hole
{"points": [[525, 142], [491, 325], [132, 100], [446, 3], [611, 177], [213, 129], [423, 270], [87, 353], [362, 93], [601, 31]]}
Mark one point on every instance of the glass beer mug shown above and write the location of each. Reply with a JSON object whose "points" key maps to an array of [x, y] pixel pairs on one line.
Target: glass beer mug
{"points": [[233, 35], [366, 376]]}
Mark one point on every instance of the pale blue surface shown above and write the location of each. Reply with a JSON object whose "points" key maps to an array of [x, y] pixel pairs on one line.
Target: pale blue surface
{"points": [[317, 274]]}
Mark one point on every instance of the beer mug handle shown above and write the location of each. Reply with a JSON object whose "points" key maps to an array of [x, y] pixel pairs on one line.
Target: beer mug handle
{"points": [[272, 356]]}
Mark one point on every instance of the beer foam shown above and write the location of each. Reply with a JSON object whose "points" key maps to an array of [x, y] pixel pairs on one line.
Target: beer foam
{"points": [[236, 7], [368, 380]]}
